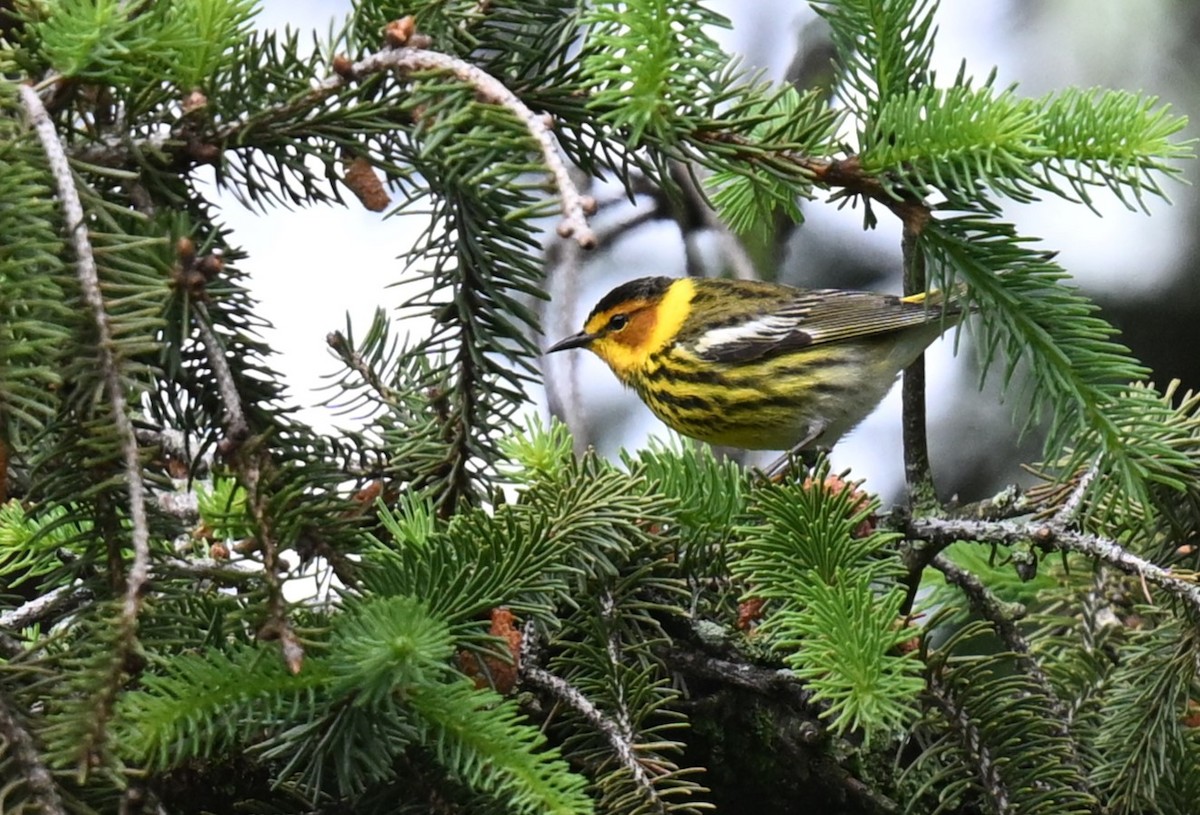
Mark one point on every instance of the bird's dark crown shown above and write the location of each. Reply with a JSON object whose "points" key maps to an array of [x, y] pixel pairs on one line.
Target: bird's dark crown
{"points": [[644, 288]]}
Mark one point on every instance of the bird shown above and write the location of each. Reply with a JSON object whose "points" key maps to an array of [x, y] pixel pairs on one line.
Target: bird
{"points": [[759, 365]]}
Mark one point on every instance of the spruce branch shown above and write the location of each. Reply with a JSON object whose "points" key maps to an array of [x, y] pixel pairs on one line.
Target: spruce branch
{"points": [[1003, 617], [743, 674], [943, 531], [355, 361], [56, 601], [973, 741], [1071, 506], [615, 733], [85, 265], [250, 464], [20, 744], [236, 427], [575, 205]]}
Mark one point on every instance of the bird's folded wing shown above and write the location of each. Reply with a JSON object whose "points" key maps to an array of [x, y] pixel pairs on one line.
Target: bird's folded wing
{"points": [[814, 318]]}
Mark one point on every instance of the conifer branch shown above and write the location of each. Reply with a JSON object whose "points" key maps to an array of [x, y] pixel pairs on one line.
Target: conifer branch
{"points": [[20, 745], [62, 599], [615, 733], [973, 743], [355, 361], [1003, 617], [236, 427], [575, 205], [1070, 507], [943, 531], [250, 464], [89, 280]]}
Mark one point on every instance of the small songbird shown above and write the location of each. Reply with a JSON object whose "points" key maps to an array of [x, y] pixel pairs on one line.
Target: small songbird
{"points": [[759, 366]]}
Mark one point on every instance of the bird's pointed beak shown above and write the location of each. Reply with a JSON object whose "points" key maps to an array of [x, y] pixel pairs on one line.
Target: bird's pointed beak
{"points": [[580, 340]]}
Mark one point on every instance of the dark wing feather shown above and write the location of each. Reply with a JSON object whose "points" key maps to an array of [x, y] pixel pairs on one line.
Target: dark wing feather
{"points": [[811, 318]]}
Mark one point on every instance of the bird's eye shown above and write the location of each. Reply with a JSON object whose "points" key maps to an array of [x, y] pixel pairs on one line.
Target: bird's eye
{"points": [[618, 322]]}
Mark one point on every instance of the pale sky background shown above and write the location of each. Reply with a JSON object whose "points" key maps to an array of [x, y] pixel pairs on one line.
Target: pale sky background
{"points": [[310, 267]]}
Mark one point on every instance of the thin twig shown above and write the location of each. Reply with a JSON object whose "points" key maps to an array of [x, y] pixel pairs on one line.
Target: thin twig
{"points": [[617, 733], [89, 281], [250, 465], [52, 602], [987, 766], [917, 469], [1070, 507], [24, 751], [236, 426], [1002, 615], [574, 205], [614, 732], [941, 531], [775, 682], [218, 571], [337, 341]]}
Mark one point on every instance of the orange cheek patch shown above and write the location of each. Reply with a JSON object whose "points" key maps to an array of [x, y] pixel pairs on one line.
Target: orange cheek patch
{"points": [[639, 329]]}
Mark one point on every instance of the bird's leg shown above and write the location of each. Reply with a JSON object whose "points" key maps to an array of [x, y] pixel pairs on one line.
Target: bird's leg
{"points": [[803, 451]]}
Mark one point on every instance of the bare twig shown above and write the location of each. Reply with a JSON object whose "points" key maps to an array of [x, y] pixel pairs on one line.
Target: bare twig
{"points": [[778, 682], [917, 470], [941, 531], [24, 751], [1010, 502], [51, 604], [575, 206], [208, 569], [89, 281]]}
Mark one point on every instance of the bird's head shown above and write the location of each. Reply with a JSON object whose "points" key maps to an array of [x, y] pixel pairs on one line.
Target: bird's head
{"points": [[633, 321]]}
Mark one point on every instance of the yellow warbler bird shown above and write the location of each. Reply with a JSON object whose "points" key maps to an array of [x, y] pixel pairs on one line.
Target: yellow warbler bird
{"points": [[759, 365]]}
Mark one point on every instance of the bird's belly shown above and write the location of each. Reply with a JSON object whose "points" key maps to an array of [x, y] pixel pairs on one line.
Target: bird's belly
{"points": [[801, 405]]}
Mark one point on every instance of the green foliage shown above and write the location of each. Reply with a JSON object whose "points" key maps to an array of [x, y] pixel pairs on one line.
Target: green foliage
{"points": [[847, 649], [438, 518], [30, 547], [480, 738], [750, 198], [650, 64], [35, 314], [832, 609], [967, 142], [179, 42], [222, 506], [884, 48], [1079, 374], [999, 723], [1143, 738]]}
